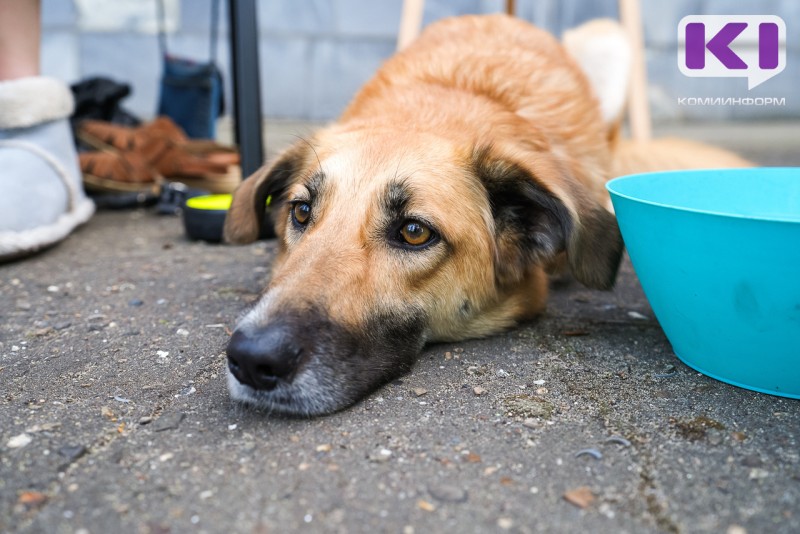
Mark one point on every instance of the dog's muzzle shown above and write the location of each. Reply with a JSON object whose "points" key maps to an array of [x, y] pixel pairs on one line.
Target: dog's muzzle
{"points": [[301, 362]]}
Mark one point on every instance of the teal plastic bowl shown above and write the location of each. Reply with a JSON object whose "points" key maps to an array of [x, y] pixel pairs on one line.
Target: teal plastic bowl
{"points": [[718, 256]]}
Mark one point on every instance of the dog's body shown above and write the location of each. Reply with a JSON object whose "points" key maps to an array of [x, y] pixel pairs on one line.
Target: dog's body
{"points": [[470, 165]]}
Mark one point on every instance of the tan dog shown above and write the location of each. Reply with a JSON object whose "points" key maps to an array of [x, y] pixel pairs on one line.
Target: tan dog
{"points": [[473, 162]]}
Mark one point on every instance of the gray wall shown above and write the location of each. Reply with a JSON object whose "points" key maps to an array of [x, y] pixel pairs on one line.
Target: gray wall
{"points": [[315, 53]]}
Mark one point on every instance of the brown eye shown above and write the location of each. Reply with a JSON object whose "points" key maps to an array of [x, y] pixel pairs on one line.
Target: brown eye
{"points": [[415, 233], [301, 212]]}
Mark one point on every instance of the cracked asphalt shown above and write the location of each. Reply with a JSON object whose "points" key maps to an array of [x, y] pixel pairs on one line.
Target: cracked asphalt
{"points": [[114, 414]]}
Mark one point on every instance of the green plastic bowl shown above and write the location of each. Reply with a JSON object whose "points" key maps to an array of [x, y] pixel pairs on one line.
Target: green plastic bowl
{"points": [[204, 217], [718, 256]]}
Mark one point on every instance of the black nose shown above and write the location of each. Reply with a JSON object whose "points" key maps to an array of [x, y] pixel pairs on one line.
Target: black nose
{"points": [[264, 357]]}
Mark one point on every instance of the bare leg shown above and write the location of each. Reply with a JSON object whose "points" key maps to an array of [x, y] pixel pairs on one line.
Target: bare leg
{"points": [[20, 34]]}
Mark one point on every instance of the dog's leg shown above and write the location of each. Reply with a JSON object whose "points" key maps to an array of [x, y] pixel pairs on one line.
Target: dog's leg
{"points": [[602, 50], [667, 154]]}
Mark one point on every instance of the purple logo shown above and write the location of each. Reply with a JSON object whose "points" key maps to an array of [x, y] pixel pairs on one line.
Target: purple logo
{"points": [[746, 46]]}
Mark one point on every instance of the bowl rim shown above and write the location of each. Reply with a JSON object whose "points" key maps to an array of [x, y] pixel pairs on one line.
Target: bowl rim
{"points": [[215, 202], [765, 218]]}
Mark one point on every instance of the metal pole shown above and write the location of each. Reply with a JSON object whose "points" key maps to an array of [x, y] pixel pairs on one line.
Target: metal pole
{"points": [[246, 85]]}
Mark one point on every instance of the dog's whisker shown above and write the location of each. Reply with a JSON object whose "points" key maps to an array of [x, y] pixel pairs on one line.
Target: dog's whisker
{"points": [[314, 150]]}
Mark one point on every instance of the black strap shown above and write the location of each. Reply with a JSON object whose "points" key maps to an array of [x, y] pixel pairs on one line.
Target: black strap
{"points": [[214, 30], [162, 29]]}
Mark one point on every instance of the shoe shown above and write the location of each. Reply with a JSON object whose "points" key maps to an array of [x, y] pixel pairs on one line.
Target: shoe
{"points": [[118, 172], [200, 164], [106, 135], [42, 200]]}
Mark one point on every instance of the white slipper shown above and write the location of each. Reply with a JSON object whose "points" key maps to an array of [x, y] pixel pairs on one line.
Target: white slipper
{"points": [[41, 196]]}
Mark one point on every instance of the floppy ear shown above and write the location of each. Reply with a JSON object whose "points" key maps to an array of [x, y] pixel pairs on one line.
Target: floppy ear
{"points": [[245, 221], [595, 247], [532, 226]]}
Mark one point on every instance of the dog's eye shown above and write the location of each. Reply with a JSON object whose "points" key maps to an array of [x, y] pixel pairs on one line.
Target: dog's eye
{"points": [[415, 233], [301, 212]]}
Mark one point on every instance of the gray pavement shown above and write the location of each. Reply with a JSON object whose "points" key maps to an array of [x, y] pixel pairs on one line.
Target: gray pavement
{"points": [[114, 415]]}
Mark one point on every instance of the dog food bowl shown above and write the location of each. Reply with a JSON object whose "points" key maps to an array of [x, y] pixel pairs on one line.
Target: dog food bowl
{"points": [[718, 256], [204, 217]]}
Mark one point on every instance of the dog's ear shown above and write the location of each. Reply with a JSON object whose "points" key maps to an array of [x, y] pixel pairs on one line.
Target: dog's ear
{"points": [[595, 247], [533, 226], [245, 219]]}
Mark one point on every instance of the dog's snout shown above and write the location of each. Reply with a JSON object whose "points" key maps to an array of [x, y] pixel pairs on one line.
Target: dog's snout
{"points": [[263, 358]]}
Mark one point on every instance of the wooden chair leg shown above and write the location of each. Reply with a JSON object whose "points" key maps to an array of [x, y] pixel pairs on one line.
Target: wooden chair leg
{"points": [[638, 106], [511, 7], [410, 22]]}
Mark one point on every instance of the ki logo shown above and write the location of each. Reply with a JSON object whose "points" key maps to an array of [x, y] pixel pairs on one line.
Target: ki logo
{"points": [[732, 46]]}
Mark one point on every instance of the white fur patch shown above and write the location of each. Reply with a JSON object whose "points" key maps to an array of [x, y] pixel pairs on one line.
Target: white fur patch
{"points": [[312, 392], [26, 102], [258, 315], [603, 51]]}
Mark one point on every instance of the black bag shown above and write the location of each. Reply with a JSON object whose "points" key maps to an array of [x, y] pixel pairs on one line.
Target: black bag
{"points": [[99, 99], [191, 91]]}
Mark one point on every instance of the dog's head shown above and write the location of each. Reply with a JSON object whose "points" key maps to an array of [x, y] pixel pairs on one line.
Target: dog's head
{"points": [[387, 241]]}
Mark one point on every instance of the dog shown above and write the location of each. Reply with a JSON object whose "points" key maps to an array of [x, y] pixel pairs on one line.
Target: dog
{"points": [[471, 166]]}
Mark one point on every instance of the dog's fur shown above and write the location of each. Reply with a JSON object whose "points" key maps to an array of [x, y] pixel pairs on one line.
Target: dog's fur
{"points": [[485, 129]]}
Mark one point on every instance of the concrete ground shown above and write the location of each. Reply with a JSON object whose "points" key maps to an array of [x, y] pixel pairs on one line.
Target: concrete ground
{"points": [[115, 415]]}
